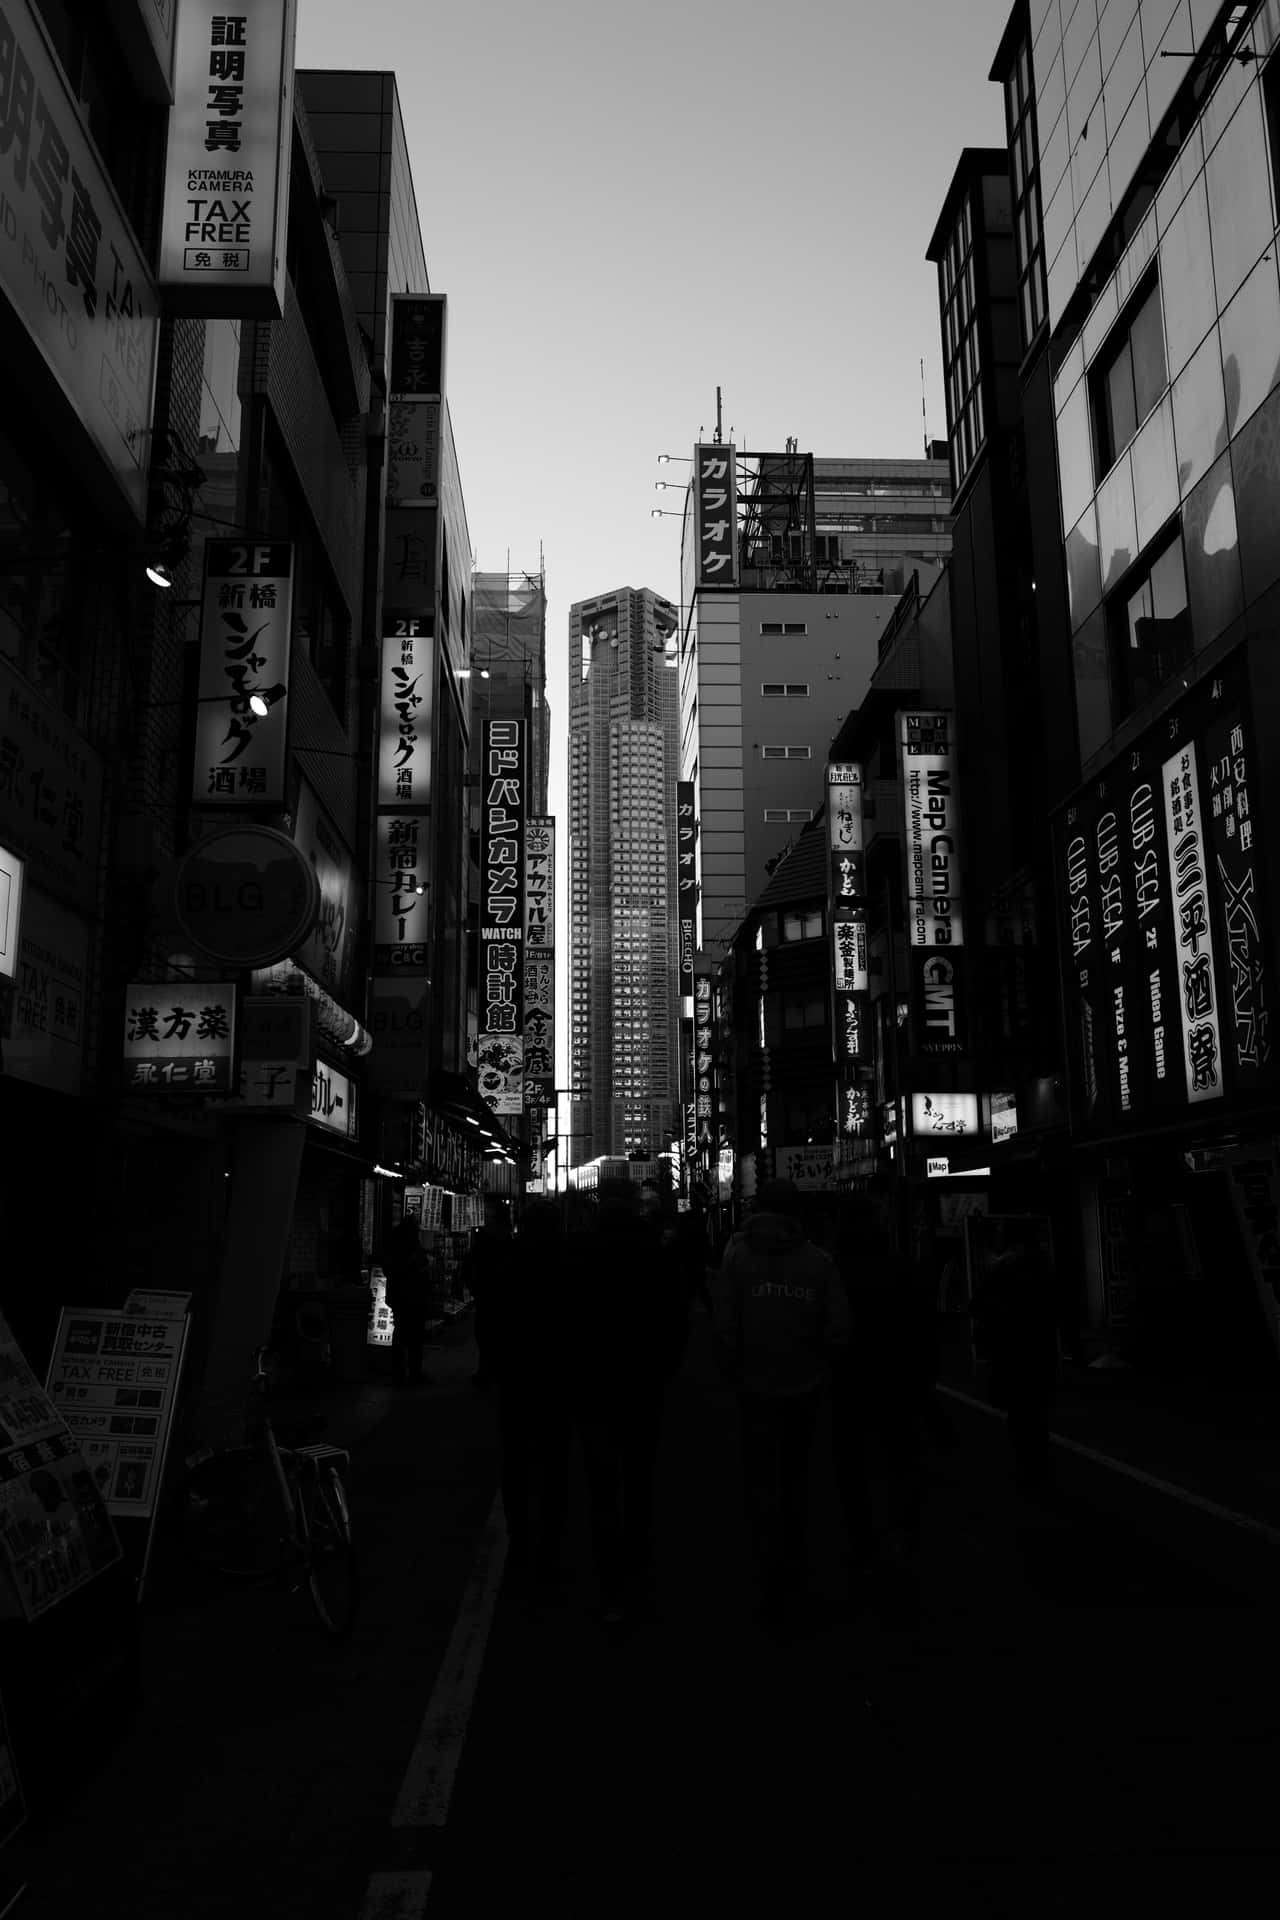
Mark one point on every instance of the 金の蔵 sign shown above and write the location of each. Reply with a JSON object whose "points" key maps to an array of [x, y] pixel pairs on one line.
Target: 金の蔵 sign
{"points": [[226, 183]]}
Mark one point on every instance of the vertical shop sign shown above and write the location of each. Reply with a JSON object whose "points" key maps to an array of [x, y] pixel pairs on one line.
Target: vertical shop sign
{"points": [[418, 323], [227, 165], [846, 913], [1082, 964], [328, 953], [70, 269], [400, 893], [1197, 989], [1255, 1192], [180, 1037], [1234, 856], [334, 1101], [704, 1069], [1150, 1015], [716, 515], [405, 714], [413, 451], [502, 829], [932, 837], [539, 962], [686, 882], [242, 715]]}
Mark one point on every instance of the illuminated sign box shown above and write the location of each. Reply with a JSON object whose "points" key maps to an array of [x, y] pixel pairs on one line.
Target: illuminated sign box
{"points": [[1004, 1117], [179, 1036], [944, 1115], [10, 912]]}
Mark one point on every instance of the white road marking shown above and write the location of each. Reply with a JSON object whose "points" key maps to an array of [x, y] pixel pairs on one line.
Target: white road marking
{"points": [[427, 1787], [397, 1896], [1245, 1520]]}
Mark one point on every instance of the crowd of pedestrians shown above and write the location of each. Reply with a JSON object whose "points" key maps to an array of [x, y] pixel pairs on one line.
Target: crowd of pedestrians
{"points": [[580, 1334]]}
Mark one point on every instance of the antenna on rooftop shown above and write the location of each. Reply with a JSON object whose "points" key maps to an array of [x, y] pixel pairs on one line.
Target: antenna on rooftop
{"points": [[924, 411], [719, 427]]}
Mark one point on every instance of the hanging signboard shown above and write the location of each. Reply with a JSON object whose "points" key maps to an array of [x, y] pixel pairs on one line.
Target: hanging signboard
{"points": [[502, 836], [246, 895], [1164, 921], [328, 952], [716, 515], [226, 182], [50, 793], [539, 962], [180, 1036], [413, 451], [55, 1531], [1004, 1117], [11, 871], [850, 974], [932, 832], [938, 1000], [275, 1051], [686, 882], [334, 1100], [70, 269], [418, 322], [944, 1114], [400, 916], [845, 836], [242, 711], [405, 714]]}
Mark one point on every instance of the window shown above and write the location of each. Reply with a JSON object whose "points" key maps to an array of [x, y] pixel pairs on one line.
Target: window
{"points": [[1024, 178], [1129, 375], [776, 628], [805, 925], [797, 689], [784, 816], [773, 689], [1149, 628], [1271, 105], [963, 362], [804, 1008]]}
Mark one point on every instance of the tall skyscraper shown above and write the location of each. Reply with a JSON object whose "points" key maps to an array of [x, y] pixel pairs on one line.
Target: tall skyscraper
{"points": [[623, 767]]}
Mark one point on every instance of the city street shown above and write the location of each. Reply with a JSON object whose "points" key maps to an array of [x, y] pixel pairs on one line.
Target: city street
{"points": [[1078, 1714]]}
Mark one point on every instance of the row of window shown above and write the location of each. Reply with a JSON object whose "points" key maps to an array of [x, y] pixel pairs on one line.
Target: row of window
{"points": [[786, 753], [785, 689], [786, 816]]}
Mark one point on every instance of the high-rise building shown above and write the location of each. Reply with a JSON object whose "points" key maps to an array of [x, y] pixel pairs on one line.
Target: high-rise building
{"points": [[783, 616], [623, 766]]}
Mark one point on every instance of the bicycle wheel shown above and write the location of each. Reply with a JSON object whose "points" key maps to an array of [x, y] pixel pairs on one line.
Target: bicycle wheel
{"points": [[325, 1534], [231, 1516]]}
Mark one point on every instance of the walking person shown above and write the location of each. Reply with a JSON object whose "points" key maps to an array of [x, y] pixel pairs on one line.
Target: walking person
{"points": [[630, 1323], [781, 1318], [408, 1269], [525, 1357], [884, 1387], [483, 1268], [1016, 1333]]}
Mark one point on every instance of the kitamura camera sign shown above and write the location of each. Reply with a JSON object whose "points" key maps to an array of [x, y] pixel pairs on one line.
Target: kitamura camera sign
{"points": [[226, 192], [1169, 982]]}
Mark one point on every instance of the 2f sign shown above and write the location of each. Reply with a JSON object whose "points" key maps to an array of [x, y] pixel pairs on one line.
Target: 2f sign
{"points": [[251, 562]]}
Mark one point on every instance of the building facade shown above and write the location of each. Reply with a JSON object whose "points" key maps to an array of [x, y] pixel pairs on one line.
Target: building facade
{"points": [[623, 769]]}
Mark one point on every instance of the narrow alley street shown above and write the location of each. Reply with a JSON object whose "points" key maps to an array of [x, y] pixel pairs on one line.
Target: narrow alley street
{"points": [[1079, 1715]]}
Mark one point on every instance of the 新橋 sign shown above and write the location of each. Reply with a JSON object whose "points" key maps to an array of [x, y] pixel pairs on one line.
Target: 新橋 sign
{"points": [[1164, 926]]}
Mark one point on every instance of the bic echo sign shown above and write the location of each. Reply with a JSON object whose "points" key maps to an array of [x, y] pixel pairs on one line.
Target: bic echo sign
{"points": [[246, 896]]}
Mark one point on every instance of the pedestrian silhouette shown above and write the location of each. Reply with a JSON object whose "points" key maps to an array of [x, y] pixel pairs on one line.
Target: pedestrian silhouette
{"points": [[781, 1317], [1015, 1332], [483, 1269], [408, 1269], [524, 1354], [630, 1322]]}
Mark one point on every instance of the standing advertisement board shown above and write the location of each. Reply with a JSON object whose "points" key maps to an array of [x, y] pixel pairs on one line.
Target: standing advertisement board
{"points": [[1168, 980], [55, 1531]]}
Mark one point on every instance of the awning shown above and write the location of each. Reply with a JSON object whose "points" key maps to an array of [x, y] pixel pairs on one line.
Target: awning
{"points": [[453, 1096]]}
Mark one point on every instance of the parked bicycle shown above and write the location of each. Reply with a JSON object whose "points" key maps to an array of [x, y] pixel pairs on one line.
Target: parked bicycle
{"points": [[262, 1511]]}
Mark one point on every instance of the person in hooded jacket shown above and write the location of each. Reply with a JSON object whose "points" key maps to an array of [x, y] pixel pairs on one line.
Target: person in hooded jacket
{"points": [[408, 1269], [630, 1322], [525, 1358], [781, 1318]]}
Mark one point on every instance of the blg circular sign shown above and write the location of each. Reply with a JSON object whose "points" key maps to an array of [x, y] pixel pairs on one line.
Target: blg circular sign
{"points": [[246, 896]]}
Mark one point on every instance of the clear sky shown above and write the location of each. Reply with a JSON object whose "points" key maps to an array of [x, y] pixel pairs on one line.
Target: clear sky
{"points": [[630, 202]]}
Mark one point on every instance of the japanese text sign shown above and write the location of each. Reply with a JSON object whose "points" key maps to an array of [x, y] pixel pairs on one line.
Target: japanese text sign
{"points": [[328, 952], [11, 870], [417, 345], [844, 824], [404, 714], [242, 715], [687, 881], [850, 975], [226, 193], [179, 1036], [944, 1114], [539, 961], [69, 265], [50, 795], [113, 1377], [275, 1050], [334, 1101], [715, 480], [400, 914], [502, 830], [413, 452], [932, 837], [1197, 986]]}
